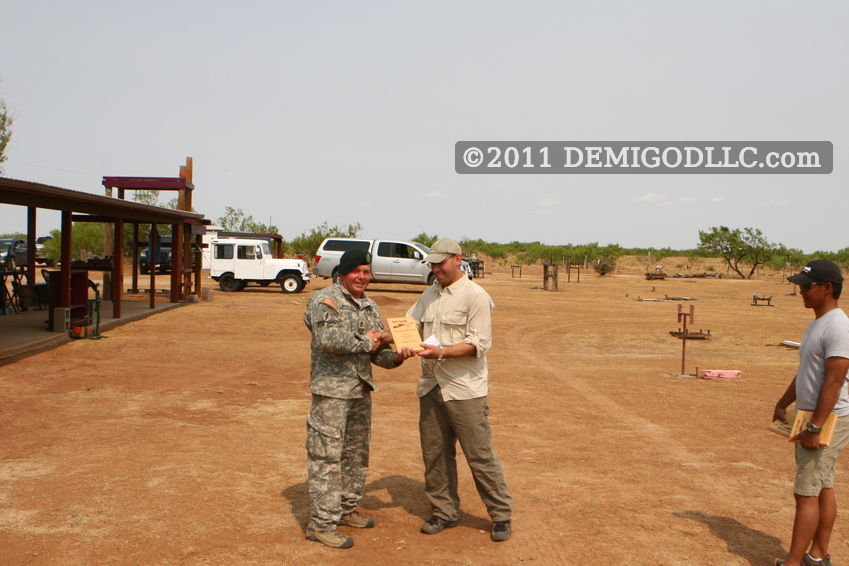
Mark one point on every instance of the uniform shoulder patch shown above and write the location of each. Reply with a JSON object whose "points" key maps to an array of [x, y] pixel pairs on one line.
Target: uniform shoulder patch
{"points": [[330, 303]]}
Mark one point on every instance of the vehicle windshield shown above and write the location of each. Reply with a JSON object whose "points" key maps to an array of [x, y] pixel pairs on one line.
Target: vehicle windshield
{"points": [[424, 247], [6, 241]]}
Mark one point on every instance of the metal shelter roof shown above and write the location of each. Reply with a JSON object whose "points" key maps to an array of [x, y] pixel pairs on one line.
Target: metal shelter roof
{"points": [[27, 193], [116, 211]]}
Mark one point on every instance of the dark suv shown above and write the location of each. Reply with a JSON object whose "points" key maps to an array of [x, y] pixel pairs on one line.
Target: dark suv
{"points": [[164, 263], [13, 252]]}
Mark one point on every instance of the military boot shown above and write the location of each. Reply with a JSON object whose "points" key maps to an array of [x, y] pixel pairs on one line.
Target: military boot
{"points": [[354, 519], [333, 539]]}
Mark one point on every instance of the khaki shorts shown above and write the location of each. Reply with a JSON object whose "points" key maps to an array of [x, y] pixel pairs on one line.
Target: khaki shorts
{"points": [[815, 468]]}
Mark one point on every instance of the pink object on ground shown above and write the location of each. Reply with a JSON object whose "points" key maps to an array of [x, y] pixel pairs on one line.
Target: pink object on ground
{"points": [[723, 373]]}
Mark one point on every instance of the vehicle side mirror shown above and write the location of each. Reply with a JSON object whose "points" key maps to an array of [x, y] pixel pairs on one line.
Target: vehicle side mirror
{"points": [[417, 255]]}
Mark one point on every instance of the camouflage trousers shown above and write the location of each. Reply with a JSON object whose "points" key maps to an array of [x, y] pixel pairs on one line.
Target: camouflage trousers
{"points": [[338, 434]]}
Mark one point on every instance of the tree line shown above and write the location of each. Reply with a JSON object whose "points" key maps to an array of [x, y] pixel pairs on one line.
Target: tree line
{"points": [[743, 250]]}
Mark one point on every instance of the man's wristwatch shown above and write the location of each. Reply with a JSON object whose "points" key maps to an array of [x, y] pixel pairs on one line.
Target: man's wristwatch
{"points": [[811, 427], [441, 355]]}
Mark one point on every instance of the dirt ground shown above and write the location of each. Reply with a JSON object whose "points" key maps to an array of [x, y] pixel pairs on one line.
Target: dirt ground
{"points": [[164, 446]]}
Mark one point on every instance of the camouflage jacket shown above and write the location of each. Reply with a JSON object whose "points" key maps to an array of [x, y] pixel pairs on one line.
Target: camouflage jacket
{"points": [[341, 355]]}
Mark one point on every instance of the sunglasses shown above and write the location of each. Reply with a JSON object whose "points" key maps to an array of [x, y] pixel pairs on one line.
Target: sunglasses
{"points": [[807, 287]]}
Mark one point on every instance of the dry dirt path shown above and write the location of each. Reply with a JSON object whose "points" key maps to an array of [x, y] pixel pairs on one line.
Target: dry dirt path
{"points": [[152, 448]]}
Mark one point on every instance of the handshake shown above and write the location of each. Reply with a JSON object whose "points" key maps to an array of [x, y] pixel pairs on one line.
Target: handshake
{"points": [[429, 349]]}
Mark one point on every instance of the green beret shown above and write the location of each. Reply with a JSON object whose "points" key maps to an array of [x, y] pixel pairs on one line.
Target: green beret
{"points": [[352, 259]]}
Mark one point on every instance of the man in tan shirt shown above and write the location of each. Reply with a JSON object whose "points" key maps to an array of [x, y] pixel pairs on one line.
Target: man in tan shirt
{"points": [[454, 316]]}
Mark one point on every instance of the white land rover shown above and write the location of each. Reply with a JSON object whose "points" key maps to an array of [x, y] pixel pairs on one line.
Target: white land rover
{"points": [[235, 262]]}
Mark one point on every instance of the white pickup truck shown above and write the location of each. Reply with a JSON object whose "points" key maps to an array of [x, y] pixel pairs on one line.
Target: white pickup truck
{"points": [[393, 261], [235, 262]]}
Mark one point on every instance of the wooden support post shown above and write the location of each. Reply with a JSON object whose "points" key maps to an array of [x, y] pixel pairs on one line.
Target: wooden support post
{"points": [[176, 263], [117, 268], [684, 347], [65, 273], [134, 287], [31, 231], [108, 238], [549, 275], [186, 273], [181, 198], [569, 267], [184, 196], [198, 264], [683, 317], [151, 262]]}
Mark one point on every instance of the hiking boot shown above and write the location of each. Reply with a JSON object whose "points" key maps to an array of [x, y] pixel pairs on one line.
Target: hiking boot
{"points": [[436, 525], [333, 539], [354, 519], [808, 560], [501, 531]]}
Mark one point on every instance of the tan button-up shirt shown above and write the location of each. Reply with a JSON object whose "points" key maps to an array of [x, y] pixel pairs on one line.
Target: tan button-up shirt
{"points": [[461, 312]]}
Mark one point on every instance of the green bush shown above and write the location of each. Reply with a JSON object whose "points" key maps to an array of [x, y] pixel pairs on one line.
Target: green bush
{"points": [[604, 265], [86, 241], [426, 239]]}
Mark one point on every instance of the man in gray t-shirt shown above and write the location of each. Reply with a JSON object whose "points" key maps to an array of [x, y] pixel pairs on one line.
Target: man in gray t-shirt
{"points": [[820, 386]]}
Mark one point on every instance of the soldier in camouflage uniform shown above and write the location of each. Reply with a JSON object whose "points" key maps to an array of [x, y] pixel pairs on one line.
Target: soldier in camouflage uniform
{"points": [[347, 337]]}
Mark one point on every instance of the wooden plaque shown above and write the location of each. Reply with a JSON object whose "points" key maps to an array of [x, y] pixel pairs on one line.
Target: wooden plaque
{"points": [[405, 333], [804, 417], [801, 419]]}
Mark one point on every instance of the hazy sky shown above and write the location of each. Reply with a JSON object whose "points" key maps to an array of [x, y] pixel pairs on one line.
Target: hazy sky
{"points": [[301, 112]]}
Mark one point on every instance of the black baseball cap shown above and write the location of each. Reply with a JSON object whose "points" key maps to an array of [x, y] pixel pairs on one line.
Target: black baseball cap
{"points": [[818, 271], [351, 259]]}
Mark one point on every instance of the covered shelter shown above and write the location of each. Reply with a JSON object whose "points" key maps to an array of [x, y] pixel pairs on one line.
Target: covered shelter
{"points": [[78, 206]]}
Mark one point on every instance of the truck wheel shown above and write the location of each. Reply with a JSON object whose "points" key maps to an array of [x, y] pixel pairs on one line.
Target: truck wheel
{"points": [[430, 279], [335, 275], [291, 284], [229, 284]]}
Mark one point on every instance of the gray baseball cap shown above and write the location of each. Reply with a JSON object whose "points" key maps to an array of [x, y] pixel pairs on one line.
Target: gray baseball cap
{"points": [[441, 249]]}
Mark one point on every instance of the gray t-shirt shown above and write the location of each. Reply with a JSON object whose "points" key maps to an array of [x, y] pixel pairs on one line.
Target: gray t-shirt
{"points": [[826, 337]]}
